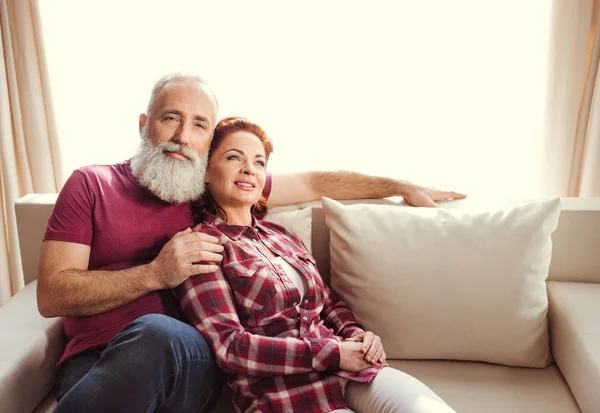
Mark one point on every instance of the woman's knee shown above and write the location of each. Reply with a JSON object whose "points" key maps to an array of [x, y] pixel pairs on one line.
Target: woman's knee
{"points": [[394, 391]]}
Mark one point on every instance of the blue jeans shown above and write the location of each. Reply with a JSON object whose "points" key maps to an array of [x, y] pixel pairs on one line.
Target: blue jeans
{"points": [[155, 364]]}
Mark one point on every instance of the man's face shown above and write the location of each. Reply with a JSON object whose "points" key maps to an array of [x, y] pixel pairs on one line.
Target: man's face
{"points": [[171, 160], [185, 113]]}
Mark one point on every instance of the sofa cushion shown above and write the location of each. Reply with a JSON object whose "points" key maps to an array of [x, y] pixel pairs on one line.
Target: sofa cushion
{"points": [[29, 350], [447, 284], [297, 221], [47, 405], [472, 387], [575, 332]]}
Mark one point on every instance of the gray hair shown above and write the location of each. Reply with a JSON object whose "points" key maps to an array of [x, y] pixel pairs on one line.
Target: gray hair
{"points": [[172, 77], [172, 180]]}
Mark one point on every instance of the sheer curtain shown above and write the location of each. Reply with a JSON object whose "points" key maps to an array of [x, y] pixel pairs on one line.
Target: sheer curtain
{"points": [[29, 153], [572, 138], [450, 94]]}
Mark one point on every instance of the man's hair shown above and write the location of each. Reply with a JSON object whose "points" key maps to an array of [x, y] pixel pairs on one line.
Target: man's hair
{"points": [[173, 77]]}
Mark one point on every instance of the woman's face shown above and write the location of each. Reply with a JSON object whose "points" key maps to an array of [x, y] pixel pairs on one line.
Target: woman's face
{"points": [[237, 170]]}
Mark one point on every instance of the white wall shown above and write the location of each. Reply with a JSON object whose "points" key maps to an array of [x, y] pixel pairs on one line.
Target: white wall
{"points": [[445, 93]]}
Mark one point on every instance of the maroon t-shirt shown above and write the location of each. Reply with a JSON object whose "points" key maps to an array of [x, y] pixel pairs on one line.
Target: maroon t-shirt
{"points": [[125, 225]]}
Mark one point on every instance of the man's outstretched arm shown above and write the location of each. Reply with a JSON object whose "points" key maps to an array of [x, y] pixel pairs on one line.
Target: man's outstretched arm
{"points": [[309, 186]]}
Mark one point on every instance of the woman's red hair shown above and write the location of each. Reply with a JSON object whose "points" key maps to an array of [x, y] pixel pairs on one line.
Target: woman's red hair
{"points": [[226, 127]]}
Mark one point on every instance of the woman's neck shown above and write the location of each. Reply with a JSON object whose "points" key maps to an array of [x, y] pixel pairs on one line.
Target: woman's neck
{"points": [[238, 216]]}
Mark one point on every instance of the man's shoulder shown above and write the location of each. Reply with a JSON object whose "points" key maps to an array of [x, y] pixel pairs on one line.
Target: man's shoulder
{"points": [[118, 176], [106, 170], [95, 179]]}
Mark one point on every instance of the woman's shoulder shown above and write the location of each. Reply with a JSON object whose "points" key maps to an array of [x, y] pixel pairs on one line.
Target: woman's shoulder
{"points": [[283, 232], [277, 228]]}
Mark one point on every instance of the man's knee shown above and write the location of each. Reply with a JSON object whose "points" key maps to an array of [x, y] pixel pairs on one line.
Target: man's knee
{"points": [[158, 326], [160, 335]]}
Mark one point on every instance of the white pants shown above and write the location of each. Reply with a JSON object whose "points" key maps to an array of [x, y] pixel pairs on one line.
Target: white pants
{"points": [[393, 391]]}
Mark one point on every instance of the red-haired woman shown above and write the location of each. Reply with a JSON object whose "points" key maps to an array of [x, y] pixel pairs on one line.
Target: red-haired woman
{"points": [[287, 341]]}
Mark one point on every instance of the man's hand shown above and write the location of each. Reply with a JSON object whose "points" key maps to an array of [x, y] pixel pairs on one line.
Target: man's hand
{"points": [[372, 348], [419, 196], [177, 260], [352, 359]]}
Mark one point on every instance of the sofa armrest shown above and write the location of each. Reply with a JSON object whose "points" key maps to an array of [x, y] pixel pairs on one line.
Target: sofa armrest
{"points": [[574, 316], [29, 350]]}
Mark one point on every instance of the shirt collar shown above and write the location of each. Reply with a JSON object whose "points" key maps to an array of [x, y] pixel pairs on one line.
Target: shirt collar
{"points": [[233, 232]]}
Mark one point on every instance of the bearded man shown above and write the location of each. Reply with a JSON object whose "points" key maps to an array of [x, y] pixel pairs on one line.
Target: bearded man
{"points": [[119, 239]]}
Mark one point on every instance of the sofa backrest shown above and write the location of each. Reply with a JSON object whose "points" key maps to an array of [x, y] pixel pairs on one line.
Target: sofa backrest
{"points": [[575, 254]]}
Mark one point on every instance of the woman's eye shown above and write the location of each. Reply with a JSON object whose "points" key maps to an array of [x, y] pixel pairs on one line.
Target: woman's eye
{"points": [[232, 157], [261, 163]]}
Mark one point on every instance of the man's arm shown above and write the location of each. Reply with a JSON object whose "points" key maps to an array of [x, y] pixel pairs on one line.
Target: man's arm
{"points": [[309, 186], [66, 288]]}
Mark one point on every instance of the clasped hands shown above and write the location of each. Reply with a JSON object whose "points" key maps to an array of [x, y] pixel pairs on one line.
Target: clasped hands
{"points": [[360, 352]]}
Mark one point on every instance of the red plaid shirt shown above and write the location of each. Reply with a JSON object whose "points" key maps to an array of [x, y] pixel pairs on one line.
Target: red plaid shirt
{"points": [[281, 351]]}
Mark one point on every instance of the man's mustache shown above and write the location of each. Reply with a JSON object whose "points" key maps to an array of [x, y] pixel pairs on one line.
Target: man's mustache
{"points": [[170, 146]]}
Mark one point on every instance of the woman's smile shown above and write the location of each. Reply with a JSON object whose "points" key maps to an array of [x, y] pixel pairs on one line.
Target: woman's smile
{"points": [[245, 185]]}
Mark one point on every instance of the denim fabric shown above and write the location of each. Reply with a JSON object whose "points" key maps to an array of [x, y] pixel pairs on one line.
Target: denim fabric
{"points": [[155, 364]]}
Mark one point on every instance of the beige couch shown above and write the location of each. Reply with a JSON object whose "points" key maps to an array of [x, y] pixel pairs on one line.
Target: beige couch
{"points": [[31, 345]]}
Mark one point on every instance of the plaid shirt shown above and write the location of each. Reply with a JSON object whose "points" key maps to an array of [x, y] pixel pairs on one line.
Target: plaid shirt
{"points": [[281, 351]]}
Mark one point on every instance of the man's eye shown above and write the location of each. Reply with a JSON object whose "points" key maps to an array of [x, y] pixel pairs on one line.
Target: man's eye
{"points": [[170, 118], [201, 126]]}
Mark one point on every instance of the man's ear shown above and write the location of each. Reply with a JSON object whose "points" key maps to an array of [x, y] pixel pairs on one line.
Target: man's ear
{"points": [[142, 121], [206, 177]]}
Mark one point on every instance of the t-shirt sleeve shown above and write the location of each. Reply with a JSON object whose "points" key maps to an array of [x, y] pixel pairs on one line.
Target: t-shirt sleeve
{"points": [[71, 218], [267, 188]]}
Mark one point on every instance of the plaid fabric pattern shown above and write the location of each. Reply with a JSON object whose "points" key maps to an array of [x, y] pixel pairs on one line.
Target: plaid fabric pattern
{"points": [[280, 349]]}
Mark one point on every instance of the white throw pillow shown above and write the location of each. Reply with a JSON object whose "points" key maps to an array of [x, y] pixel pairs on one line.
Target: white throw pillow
{"points": [[435, 283], [297, 221]]}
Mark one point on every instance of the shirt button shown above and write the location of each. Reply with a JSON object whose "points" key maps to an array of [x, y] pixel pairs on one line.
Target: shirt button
{"points": [[306, 301], [295, 303], [248, 272], [305, 318]]}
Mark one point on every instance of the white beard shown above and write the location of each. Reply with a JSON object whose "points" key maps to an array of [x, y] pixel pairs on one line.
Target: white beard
{"points": [[172, 180]]}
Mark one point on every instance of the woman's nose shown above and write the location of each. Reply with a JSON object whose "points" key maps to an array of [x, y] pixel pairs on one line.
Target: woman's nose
{"points": [[248, 169]]}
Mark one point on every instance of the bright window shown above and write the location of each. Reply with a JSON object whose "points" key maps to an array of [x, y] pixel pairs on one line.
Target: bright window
{"points": [[444, 93]]}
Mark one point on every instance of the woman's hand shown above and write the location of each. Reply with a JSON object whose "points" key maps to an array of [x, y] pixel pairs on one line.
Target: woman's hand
{"points": [[372, 348], [351, 357]]}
